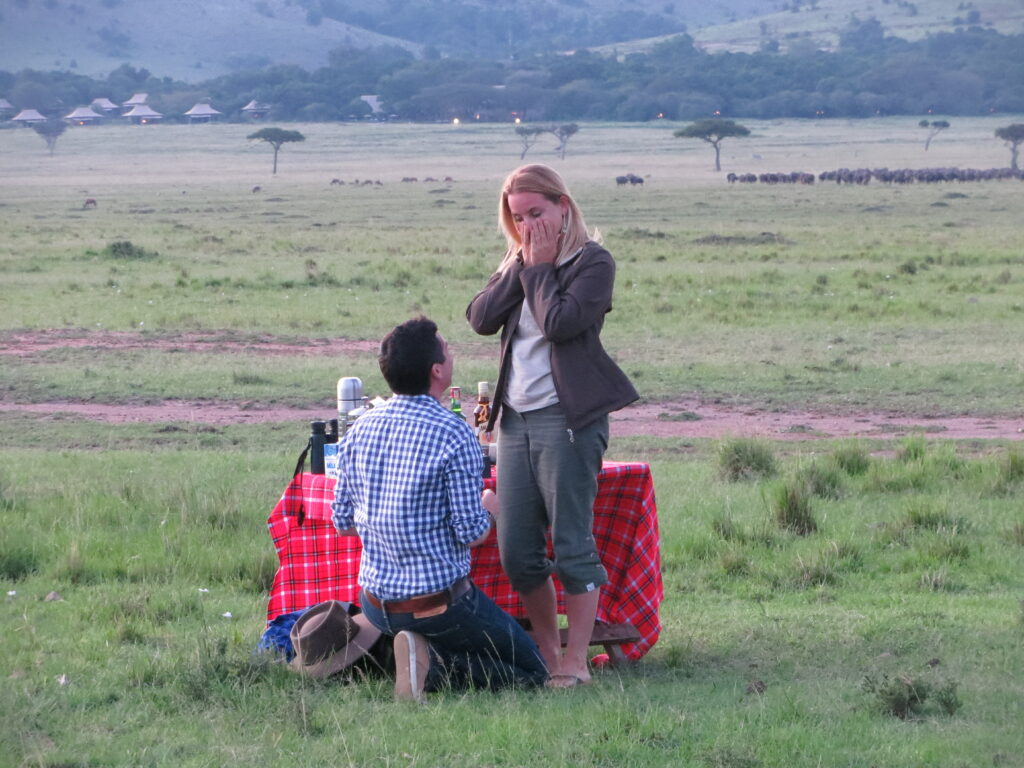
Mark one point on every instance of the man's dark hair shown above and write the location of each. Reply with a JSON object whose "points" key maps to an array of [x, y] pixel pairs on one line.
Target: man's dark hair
{"points": [[406, 355]]}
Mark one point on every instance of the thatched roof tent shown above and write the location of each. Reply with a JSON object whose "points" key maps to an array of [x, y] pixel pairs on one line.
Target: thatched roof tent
{"points": [[83, 116], [5, 104], [141, 114], [138, 98], [202, 113], [105, 104], [256, 109], [27, 116]]}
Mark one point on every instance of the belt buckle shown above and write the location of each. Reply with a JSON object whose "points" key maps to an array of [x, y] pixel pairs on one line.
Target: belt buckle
{"points": [[428, 612]]}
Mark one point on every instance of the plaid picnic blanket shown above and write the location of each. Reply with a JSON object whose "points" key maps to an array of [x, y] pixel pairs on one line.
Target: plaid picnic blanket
{"points": [[318, 564]]}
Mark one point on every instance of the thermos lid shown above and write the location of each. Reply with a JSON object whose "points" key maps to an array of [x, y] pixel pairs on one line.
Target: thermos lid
{"points": [[350, 388]]}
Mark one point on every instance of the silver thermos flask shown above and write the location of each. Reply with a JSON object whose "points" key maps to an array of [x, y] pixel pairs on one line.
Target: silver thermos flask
{"points": [[350, 397]]}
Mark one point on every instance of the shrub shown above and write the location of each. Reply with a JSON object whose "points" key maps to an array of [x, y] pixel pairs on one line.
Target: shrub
{"points": [[904, 697], [125, 249], [899, 696], [745, 459], [791, 506]]}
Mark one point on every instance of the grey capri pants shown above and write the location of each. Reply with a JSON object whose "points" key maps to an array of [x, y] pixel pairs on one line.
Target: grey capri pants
{"points": [[547, 476]]}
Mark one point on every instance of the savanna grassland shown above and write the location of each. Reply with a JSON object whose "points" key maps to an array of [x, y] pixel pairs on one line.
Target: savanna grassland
{"points": [[827, 603]]}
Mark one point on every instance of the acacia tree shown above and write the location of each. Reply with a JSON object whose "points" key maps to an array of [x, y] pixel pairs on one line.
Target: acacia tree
{"points": [[51, 130], [934, 128], [275, 137], [563, 133], [1013, 135], [528, 135], [713, 131]]}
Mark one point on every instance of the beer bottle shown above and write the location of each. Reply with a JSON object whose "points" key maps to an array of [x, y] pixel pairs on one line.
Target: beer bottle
{"points": [[457, 401], [482, 412]]}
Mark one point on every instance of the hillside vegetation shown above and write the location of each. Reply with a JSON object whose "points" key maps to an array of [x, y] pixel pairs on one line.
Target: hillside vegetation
{"points": [[193, 41], [968, 72], [818, 24]]}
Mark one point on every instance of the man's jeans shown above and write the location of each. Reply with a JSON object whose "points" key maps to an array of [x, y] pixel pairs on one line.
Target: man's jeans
{"points": [[474, 644]]}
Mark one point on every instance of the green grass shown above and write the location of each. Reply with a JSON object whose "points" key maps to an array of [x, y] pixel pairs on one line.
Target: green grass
{"points": [[917, 549], [148, 551], [824, 315]]}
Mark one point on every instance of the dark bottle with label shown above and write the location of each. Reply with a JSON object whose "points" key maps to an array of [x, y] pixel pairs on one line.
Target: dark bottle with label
{"points": [[317, 438], [482, 412]]}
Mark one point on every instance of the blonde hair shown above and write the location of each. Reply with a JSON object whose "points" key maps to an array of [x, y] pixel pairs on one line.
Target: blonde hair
{"points": [[543, 180]]}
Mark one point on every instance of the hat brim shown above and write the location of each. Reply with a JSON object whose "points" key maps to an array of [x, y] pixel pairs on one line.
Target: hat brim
{"points": [[354, 650]]}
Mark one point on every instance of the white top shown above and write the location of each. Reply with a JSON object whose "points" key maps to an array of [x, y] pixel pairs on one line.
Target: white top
{"points": [[530, 386]]}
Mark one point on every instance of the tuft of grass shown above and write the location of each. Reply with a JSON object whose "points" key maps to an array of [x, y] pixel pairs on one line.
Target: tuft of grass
{"points": [[246, 379], [679, 416], [822, 479], [727, 528], [19, 556], [745, 459], [1010, 473], [729, 757], [852, 459], [1016, 534], [790, 504], [927, 514], [938, 581], [734, 563], [913, 448]]}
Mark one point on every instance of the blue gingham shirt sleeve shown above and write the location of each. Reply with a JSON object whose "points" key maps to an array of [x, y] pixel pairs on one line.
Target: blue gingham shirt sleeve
{"points": [[409, 480]]}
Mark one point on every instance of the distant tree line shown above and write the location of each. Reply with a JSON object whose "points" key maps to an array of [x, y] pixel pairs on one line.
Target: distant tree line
{"points": [[971, 71]]}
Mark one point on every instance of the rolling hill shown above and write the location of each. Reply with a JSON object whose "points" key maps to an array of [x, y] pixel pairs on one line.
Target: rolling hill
{"points": [[188, 40], [819, 22], [194, 40]]}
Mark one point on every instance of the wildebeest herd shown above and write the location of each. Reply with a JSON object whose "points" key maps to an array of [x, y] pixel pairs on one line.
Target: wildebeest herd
{"points": [[629, 178], [885, 175]]}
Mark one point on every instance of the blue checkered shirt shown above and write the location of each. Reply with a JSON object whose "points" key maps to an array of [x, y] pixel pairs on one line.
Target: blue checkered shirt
{"points": [[409, 480]]}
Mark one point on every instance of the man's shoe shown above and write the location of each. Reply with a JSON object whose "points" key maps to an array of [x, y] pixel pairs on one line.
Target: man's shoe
{"points": [[412, 662]]}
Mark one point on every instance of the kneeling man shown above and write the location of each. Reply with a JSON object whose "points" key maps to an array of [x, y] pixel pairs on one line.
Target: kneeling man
{"points": [[409, 484]]}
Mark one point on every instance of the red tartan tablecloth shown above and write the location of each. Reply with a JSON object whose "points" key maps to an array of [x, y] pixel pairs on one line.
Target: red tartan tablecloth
{"points": [[317, 564]]}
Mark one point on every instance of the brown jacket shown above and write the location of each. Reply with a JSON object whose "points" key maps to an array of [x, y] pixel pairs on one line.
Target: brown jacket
{"points": [[570, 303]]}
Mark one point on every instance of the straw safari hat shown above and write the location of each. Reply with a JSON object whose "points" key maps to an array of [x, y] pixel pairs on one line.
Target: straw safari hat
{"points": [[327, 640]]}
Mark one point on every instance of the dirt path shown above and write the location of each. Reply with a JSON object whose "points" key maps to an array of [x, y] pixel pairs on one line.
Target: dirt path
{"points": [[29, 343], [686, 418], [681, 419]]}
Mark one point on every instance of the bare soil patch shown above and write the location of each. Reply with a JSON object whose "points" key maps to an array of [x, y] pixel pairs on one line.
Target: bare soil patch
{"points": [[688, 417], [27, 343], [704, 420]]}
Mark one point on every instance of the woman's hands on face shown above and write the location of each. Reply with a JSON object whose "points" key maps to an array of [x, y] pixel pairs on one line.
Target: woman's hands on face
{"points": [[539, 222], [540, 241]]}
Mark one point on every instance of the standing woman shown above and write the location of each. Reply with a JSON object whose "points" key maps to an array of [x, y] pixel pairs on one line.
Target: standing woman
{"points": [[556, 386]]}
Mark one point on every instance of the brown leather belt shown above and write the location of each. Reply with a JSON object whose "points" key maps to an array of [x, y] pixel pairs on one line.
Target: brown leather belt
{"points": [[432, 602]]}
